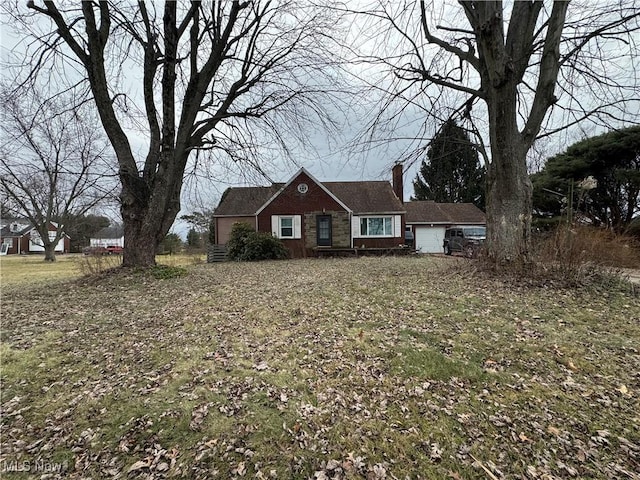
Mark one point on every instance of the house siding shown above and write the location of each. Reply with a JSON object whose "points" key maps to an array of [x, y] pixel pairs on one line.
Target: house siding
{"points": [[15, 241], [340, 231], [21, 243], [315, 201], [224, 224]]}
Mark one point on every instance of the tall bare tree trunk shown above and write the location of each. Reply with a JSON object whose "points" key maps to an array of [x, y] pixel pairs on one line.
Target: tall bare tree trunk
{"points": [[509, 188], [139, 238], [149, 208]]}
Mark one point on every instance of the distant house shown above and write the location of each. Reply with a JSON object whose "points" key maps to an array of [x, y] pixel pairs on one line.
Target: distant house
{"points": [[309, 215], [428, 221], [19, 236], [108, 237]]}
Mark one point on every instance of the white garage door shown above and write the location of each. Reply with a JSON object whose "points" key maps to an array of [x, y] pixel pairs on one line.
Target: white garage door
{"points": [[429, 239]]}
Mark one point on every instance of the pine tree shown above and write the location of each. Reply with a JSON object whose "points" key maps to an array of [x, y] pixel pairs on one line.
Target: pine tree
{"points": [[452, 172]]}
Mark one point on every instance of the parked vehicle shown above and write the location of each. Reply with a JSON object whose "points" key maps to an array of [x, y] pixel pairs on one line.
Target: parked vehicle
{"points": [[94, 251], [467, 240], [108, 250], [114, 250], [409, 239]]}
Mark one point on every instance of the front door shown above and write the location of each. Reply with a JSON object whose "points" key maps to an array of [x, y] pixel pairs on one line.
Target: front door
{"points": [[323, 224]]}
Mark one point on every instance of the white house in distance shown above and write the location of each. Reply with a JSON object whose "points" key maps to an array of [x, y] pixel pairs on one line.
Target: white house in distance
{"points": [[108, 237]]}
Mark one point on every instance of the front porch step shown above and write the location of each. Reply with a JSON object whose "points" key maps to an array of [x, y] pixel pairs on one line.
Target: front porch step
{"points": [[216, 253]]}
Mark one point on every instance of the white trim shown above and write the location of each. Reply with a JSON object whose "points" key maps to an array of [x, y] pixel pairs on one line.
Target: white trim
{"points": [[389, 235], [296, 226], [355, 227], [302, 170]]}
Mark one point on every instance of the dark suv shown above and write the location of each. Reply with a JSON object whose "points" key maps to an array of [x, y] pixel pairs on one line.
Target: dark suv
{"points": [[467, 240]]}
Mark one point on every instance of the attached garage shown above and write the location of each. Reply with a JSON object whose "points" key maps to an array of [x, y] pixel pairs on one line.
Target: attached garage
{"points": [[428, 239], [429, 220]]}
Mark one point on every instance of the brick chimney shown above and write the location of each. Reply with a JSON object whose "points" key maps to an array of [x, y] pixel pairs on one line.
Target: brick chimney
{"points": [[396, 180]]}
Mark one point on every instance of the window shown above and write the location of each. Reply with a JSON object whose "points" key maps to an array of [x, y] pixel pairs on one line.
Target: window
{"points": [[376, 227], [286, 227]]}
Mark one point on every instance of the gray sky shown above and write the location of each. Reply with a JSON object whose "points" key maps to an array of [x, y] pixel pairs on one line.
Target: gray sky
{"points": [[338, 157]]}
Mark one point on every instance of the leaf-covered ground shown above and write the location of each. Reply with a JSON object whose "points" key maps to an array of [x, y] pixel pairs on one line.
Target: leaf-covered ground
{"points": [[353, 368]]}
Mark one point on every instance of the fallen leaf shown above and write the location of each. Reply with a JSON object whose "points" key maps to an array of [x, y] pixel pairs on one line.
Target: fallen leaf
{"points": [[523, 437], [553, 430], [261, 366], [138, 465]]}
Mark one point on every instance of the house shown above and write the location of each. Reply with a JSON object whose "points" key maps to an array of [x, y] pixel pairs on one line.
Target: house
{"points": [[428, 221], [19, 236], [309, 215], [108, 237]]}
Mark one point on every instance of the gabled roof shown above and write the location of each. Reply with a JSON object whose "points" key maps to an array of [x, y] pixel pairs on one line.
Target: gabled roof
{"points": [[313, 179], [239, 201], [367, 197], [24, 226], [115, 231], [357, 197], [6, 228], [443, 213]]}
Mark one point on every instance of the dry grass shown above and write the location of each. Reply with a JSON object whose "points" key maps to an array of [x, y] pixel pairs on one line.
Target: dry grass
{"points": [[355, 368], [30, 270], [574, 247]]}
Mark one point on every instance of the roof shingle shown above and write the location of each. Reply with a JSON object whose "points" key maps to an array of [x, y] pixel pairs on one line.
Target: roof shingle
{"points": [[366, 197], [360, 197], [239, 201], [449, 213]]}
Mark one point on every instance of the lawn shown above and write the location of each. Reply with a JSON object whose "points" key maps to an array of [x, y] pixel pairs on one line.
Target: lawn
{"points": [[32, 269], [351, 368]]}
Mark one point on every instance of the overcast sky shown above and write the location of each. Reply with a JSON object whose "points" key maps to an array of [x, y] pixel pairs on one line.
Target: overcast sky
{"points": [[340, 156]]}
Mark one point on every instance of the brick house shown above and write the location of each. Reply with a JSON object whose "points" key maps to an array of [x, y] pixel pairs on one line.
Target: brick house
{"points": [[19, 236], [309, 215]]}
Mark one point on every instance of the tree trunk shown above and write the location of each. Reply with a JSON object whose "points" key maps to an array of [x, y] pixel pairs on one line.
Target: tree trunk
{"points": [[139, 243], [50, 252], [149, 207], [509, 188]]}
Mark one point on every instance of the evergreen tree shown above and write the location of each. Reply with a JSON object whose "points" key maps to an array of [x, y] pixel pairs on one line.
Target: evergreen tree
{"points": [[452, 171], [81, 228], [171, 244], [193, 238], [612, 161]]}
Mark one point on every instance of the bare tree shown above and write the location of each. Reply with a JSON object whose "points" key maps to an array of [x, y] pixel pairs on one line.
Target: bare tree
{"points": [[54, 164], [531, 69], [222, 76]]}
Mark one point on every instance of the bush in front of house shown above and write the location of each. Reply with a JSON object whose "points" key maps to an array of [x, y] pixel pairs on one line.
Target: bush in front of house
{"points": [[264, 246], [247, 245]]}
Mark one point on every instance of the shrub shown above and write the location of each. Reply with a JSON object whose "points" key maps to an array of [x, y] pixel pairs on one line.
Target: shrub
{"points": [[571, 247], [166, 272], [264, 246], [240, 231], [95, 264], [245, 244]]}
